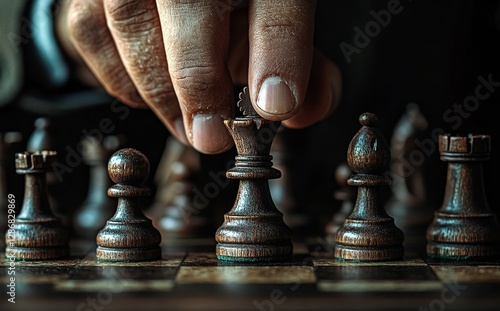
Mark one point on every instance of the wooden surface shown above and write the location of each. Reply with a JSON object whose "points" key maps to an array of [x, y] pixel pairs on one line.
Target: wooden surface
{"points": [[189, 277]]}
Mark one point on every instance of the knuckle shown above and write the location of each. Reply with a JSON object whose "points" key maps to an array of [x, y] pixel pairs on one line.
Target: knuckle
{"points": [[130, 16], [84, 25], [194, 76]]}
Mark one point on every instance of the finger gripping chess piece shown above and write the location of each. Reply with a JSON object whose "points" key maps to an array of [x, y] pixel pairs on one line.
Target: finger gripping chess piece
{"points": [[254, 229], [128, 235], [368, 233], [37, 233], [464, 227]]}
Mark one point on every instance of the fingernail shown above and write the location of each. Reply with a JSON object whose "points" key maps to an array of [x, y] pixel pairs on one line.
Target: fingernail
{"points": [[210, 134], [181, 132], [275, 96]]}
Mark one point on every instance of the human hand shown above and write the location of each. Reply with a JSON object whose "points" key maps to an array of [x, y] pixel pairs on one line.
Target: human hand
{"points": [[181, 59]]}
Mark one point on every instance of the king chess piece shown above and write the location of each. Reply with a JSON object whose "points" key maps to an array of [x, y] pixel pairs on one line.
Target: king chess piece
{"points": [[254, 229], [37, 233], [368, 233], [464, 227], [128, 235]]}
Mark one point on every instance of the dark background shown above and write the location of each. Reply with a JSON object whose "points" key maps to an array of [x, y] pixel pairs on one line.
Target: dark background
{"points": [[431, 54]]}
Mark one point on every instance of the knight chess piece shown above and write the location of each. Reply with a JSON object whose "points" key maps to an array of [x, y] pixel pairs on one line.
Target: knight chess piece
{"points": [[128, 235], [408, 204], [347, 196], [37, 233], [174, 210], [368, 233], [98, 206], [464, 227], [254, 229]]}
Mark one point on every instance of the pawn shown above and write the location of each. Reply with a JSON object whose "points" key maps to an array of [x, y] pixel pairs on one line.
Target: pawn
{"points": [[37, 233], [128, 235], [464, 227], [347, 196], [369, 234]]}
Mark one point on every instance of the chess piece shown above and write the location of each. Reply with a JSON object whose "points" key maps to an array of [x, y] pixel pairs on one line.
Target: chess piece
{"points": [[98, 206], [407, 203], [37, 234], [369, 234], [347, 196], [464, 227], [254, 229], [281, 189], [174, 210], [128, 235], [42, 138]]}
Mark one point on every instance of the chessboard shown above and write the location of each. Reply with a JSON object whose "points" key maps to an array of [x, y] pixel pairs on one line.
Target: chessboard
{"points": [[189, 277]]}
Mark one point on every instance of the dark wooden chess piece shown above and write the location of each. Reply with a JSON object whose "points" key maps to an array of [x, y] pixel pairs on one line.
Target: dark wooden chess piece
{"points": [[42, 138], [464, 227], [37, 234], [281, 189], [254, 229], [128, 235], [174, 211], [347, 196], [98, 206], [407, 203], [369, 234]]}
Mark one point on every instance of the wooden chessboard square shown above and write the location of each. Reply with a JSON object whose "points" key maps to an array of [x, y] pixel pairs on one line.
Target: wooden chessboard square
{"points": [[468, 274], [376, 278], [168, 260], [374, 273], [114, 286], [123, 272], [246, 274], [328, 260]]}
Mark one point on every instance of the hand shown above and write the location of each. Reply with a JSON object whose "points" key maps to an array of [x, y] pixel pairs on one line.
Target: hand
{"points": [[182, 58]]}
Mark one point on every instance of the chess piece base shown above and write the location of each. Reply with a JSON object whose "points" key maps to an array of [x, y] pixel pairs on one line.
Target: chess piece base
{"points": [[455, 236], [34, 253], [253, 252], [449, 251], [128, 254], [364, 254]]}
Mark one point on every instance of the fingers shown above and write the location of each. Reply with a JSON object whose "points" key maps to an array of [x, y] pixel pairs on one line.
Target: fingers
{"points": [[136, 30], [323, 93], [92, 39], [196, 40], [281, 40]]}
